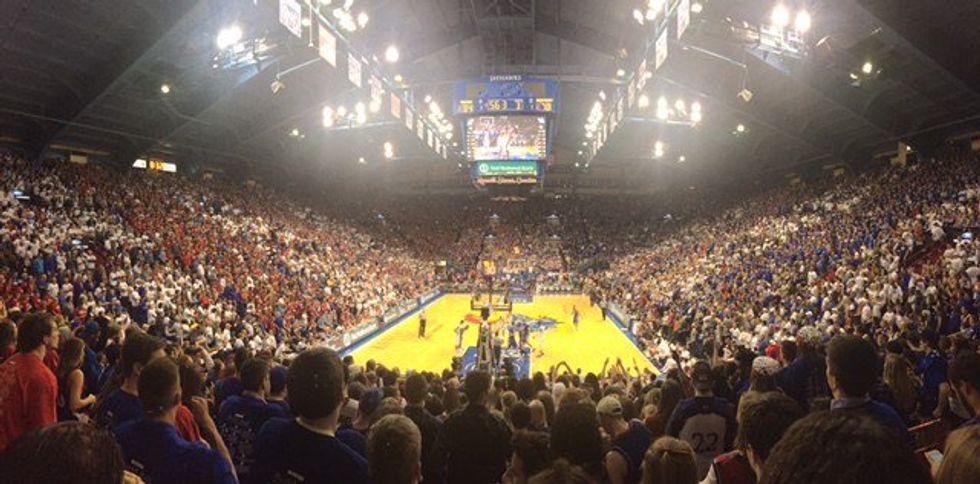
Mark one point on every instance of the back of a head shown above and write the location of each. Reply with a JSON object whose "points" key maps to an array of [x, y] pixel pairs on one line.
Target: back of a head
{"points": [[841, 448], [561, 472], [67, 452], [159, 386], [394, 450], [670, 461], [416, 389], [960, 462], [575, 435], [520, 416], [32, 331], [138, 348], [764, 420], [966, 369], [253, 374], [533, 450], [315, 383], [476, 386], [852, 362]]}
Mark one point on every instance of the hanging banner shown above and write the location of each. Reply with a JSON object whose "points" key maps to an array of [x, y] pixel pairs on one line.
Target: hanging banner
{"points": [[354, 70], [641, 76], [683, 17], [377, 90], [396, 106], [291, 16], [409, 119], [661, 50], [327, 46], [420, 125]]}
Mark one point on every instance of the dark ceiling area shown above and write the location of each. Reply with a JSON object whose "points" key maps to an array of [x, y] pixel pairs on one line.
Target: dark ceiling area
{"points": [[87, 75]]}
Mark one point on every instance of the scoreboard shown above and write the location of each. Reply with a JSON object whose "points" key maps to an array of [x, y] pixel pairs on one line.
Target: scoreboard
{"points": [[508, 127]]}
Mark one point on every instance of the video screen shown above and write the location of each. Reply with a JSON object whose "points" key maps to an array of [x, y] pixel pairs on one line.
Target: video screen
{"points": [[490, 138]]}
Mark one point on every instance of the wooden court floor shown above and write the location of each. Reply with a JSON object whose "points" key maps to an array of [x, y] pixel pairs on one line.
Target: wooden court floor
{"points": [[586, 348]]}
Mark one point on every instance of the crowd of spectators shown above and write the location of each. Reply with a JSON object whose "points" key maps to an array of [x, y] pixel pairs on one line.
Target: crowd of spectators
{"points": [[164, 329]]}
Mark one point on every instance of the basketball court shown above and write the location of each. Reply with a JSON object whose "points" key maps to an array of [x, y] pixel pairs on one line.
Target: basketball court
{"points": [[586, 348]]}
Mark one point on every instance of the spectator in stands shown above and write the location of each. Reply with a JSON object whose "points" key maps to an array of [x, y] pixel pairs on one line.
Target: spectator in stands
{"points": [[960, 463], [151, 446], [395, 451], [8, 338], [241, 416], [670, 461], [28, 389], [120, 402], [762, 378], [705, 422], [803, 379], [964, 382], [851, 372], [670, 395], [416, 390], [900, 377], [629, 442], [531, 455], [277, 388], [762, 421], [306, 448], [841, 448], [65, 453], [932, 368], [231, 384], [575, 436], [474, 443], [71, 382]]}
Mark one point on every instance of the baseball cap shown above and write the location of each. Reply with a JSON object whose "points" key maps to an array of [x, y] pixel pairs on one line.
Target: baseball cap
{"points": [[609, 405], [701, 376]]}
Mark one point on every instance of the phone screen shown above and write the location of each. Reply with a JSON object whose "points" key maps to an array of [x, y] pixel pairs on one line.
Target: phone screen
{"points": [[935, 457]]}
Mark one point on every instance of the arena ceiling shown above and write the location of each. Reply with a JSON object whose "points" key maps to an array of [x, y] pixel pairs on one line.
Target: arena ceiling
{"points": [[87, 75]]}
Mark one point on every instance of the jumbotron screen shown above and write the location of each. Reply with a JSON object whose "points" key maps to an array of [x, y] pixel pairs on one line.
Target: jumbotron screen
{"points": [[506, 138]]}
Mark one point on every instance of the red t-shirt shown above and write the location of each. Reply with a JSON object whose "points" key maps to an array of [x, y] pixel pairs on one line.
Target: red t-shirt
{"points": [[186, 426], [28, 396]]}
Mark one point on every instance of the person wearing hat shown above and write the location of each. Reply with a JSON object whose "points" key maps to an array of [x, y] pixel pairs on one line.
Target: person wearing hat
{"points": [[630, 440], [705, 422], [804, 379]]}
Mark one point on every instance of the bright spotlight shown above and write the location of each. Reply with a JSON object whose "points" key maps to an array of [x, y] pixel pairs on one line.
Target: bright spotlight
{"points": [[294, 132], [341, 111], [620, 72], [359, 108], [695, 117], [638, 16], [327, 116], [389, 150], [740, 128], [374, 106], [361, 160], [165, 88], [679, 105], [658, 149], [361, 118], [697, 7], [867, 68], [803, 21], [780, 16], [643, 101], [398, 78], [682, 159], [602, 95], [362, 19], [391, 54], [229, 36], [428, 98]]}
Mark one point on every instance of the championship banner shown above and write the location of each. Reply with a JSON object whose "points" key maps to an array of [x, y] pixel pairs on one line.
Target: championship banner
{"points": [[354, 70], [291, 16], [661, 50], [683, 17], [409, 119], [377, 90], [327, 45], [396, 106], [428, 134], [420, 128], [631, 93]]}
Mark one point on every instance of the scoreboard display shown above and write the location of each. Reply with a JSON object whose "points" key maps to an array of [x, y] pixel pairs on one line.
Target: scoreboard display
{"points": [[507, 127]]}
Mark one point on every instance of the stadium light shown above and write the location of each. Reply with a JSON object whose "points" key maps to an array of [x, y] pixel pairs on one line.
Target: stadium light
{"points": [[361, 160], [780, 16], [374, 106], [803, 21], [389, 150], [658, 149], [697, 7], [643, 101], [328, 117], [229, 36], [294, 133], [680, 106], [165, 88], [602, 95], [740, 128], [681, 159], [662, 111], [868, 67], [391, 54], [428, 98], [362, 19], [638, 16], [398, 78], [620, 72]]}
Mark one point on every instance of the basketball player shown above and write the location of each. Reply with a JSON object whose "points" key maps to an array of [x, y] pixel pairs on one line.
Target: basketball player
{"points": [[422, 322], [460, 330], [575, 317]]}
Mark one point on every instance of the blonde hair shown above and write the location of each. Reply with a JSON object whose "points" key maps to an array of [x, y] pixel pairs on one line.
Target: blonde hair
{"points": [[670, 460], [960, 463]]}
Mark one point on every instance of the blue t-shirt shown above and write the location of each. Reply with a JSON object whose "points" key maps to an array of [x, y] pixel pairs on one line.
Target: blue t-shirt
{"points": [[239, 421], [155, 452], [633, 445], [287, 452], [884, 414], [119, 407]]}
